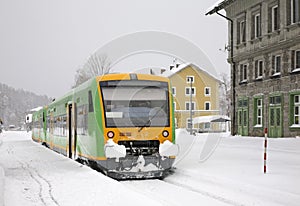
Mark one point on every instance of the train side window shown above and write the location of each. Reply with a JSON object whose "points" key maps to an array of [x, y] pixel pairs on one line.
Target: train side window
{"points": [[91, 107]]}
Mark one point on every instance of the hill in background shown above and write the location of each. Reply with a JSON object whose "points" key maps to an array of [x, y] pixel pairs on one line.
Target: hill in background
{"points": [[15, 103]]}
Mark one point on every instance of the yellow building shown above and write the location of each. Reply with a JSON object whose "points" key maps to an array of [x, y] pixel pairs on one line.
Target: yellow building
{"points": [[189, 81]]}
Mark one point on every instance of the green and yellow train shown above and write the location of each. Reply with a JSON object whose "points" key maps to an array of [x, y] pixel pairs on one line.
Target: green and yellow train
{"points": [[120, 124]]}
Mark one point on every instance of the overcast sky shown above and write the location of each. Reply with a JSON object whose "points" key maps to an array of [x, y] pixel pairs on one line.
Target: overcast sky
{"points": [[44, 42]]}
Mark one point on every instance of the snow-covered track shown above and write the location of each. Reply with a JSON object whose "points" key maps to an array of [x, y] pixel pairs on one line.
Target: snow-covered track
{"points": [[172, 193], [204, 193]]}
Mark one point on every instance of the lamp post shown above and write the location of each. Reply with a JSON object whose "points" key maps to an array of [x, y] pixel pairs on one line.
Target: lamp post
{"points": [[191, 111]]}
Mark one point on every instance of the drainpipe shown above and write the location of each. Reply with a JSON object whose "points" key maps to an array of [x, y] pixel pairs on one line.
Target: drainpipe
{"points": [[233, 113]]}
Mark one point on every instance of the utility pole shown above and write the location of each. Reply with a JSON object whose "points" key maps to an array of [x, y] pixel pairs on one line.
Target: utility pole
{"points": [[191, 102]]}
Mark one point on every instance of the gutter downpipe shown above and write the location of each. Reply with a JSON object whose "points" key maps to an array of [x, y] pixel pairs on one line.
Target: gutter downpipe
{"points": [[233, 118]]}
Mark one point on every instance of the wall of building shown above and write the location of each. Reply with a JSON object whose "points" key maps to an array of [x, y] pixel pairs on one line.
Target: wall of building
{"points": [[283, 42]]}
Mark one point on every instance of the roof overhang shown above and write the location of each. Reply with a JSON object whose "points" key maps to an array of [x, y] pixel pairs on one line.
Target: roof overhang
{"points": [[220, 6]]}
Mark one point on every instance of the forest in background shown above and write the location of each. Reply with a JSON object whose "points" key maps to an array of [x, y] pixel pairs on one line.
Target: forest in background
{"points": [[16, 103]]}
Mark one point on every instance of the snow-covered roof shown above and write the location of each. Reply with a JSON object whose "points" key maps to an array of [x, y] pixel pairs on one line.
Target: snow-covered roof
{"points": [[210, 118], [36, 109], [175, 70], [219, 5]]}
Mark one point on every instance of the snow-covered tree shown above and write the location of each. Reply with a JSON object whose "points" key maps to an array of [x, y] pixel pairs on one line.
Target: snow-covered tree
{"points": [[95, 65], [225, 98]]}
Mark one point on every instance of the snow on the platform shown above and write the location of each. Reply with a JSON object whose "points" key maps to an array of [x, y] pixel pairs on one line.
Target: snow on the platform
{"points": [[211, 169], [34, 175]]}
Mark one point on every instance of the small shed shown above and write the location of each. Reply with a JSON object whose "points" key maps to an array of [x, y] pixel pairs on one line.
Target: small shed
{"points": [[212, 123]]}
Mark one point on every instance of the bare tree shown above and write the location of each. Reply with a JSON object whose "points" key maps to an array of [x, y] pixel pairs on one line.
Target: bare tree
{"points": [[225, 92], [96, 65]]}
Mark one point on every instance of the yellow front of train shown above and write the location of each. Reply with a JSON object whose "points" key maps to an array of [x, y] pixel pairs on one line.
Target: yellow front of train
{"points": [[138, 121]]}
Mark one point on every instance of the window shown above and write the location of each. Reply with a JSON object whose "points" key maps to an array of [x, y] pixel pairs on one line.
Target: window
{"points": [[297, 110], [294, 11], [276, 65], [207, 91], [207, 106], [188, 91], [259, 69], [295, 60], [257, 26], [274, 18], [188, 123], [258, 112], [275, 100], [174, 91], [187, 106], [132, 103], [243, 72], [91, 105], [189, 79], [241, 31]]}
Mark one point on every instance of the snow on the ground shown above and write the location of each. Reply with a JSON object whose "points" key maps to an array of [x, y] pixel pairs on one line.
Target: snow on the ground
{"points": [[211, 169], [35, 175]]}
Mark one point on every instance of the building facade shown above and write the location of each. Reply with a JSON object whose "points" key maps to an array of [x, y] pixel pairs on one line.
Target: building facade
{"points": [[265, 65], [193, 89]]}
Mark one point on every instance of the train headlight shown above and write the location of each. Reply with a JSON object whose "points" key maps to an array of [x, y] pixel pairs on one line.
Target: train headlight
{"points": [[165, 133], [110, 134]]}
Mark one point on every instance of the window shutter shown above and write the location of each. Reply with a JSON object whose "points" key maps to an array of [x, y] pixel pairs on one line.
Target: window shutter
{"points": [[288, 12], [269, 20], [256, 69], [292, 60], [241, 72], [273, 65], [253, 27], [238, 33]]}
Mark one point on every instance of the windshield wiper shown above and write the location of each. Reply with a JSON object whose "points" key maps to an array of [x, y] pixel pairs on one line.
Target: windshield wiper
{"points": [[147, 124]]}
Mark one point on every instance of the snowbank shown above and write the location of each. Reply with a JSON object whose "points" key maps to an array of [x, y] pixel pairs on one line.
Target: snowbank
{"points": [[1, 186]]}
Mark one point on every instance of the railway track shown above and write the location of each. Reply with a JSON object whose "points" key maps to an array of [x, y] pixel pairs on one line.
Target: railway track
{"points": [[171, 192]]}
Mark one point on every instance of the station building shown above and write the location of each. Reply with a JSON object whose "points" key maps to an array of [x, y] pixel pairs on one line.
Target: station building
{"points": [[264, 40]]}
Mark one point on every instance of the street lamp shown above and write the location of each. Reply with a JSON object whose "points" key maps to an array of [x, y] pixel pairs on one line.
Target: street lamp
{"points": [[191, 111]]}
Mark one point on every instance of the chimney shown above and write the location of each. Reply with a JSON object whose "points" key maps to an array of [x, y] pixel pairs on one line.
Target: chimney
{"points": [[171, 67], [177, 65]]}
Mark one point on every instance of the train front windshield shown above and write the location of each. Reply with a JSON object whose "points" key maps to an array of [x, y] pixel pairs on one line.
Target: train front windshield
{"points": [[136, 103]]}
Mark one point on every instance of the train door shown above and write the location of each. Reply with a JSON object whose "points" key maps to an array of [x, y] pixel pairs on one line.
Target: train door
{"points": [[71, 125], [275, 117]]}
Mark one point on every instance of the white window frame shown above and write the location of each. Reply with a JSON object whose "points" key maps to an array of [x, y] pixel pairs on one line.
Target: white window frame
{"points": [[296, 107], [259, 106], [193, 105], [209, 105], [257, 25], [188, 79], [277, 68], [242, 25], [174, 105], [209, 91], [259, 69], [243, 72], [189, 91], [295, 11], [275, 17]]}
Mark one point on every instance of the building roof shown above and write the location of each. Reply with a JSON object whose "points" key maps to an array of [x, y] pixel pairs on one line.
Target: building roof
{"points": [[210, 118], [219, 6], [169, 73]]}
